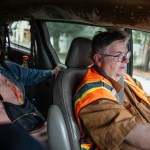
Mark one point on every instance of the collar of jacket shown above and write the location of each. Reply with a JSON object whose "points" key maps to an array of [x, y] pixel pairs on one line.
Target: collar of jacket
{"points": [[118, 87]]}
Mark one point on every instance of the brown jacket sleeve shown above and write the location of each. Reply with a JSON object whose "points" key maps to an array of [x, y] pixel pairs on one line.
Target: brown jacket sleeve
{"points": [[107, 123]]}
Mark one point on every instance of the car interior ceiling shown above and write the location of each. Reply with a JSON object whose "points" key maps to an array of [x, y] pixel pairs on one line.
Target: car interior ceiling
{"points": [[134, 14]]}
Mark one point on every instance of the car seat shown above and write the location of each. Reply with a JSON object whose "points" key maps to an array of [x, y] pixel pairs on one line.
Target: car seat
{"points": [[63, 131]]}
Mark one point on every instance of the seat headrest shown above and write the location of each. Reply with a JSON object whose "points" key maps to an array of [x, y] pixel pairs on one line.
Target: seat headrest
{"points": [[79, 53]]}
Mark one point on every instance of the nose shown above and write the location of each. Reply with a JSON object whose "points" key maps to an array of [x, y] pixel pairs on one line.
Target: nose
{"points": [[125, 59]]}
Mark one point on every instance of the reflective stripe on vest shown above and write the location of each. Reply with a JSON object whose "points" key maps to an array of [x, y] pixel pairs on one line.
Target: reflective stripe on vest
{"points": [[86, 146], [139, 92], [92, 91]]}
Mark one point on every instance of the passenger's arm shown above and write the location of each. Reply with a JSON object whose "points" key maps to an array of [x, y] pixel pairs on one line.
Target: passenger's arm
{"points": [[30, 76], [139, 137], [35, 76]]}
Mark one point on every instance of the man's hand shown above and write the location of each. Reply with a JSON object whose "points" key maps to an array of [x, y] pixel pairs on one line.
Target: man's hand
{"points": [[57, 69], [139, 137]]}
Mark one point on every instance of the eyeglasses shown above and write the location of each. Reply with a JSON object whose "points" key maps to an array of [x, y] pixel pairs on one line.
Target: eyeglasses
{"points": [[121, 56]]}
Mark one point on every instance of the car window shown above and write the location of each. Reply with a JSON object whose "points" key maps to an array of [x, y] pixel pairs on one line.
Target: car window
{"points": [[141, 58], [61, 35], [20, 35]]}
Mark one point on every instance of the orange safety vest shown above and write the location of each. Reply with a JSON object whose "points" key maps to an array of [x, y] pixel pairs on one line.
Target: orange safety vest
{"points": [[93, 87]]}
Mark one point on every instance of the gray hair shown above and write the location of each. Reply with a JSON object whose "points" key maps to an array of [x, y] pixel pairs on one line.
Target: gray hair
{"points": [[103, 39]]}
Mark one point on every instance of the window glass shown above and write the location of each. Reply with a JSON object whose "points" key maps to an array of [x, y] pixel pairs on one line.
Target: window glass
{"points": [[141, 58], [61, 35], [20, 34]]}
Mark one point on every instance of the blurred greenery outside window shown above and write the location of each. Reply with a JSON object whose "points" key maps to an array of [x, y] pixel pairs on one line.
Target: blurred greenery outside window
{"points": [[141, 58], [61, 35]]}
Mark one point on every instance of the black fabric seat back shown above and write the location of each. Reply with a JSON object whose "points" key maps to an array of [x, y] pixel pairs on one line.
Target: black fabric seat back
{"points": [[65, 84]]}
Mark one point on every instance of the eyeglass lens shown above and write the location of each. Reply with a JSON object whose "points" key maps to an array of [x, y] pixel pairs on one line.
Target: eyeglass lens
{"points": [[124, 56]]}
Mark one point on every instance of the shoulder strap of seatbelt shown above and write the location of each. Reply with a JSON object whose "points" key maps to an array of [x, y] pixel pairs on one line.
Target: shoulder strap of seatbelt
{"points": [[121, 93], [33, 47]]}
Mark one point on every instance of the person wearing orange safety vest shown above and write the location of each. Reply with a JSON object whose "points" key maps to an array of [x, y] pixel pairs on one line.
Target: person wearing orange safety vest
{"points": [[104, 122]]}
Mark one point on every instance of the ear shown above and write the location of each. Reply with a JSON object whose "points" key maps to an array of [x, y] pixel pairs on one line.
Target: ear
{"points": [[97, 59]]}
